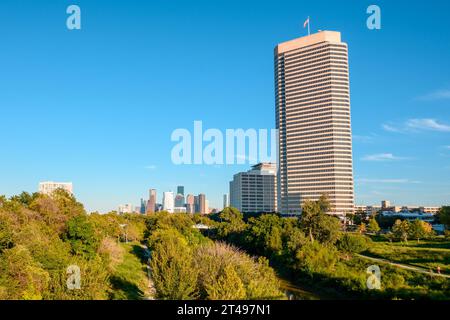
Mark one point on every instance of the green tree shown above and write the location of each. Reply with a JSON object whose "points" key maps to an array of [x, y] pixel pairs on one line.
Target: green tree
{"points": [[171, 263], [362, 228], [401, 229], [419, 229], [265, 232], [228, 286], [317, 224], [444, 216], [352, 243], [373, 226], [314, 257], [231, 222], [25, 198], [81, 236], [22, 277]]}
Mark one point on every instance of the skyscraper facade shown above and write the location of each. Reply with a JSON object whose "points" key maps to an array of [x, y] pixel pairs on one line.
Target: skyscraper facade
{"points": [[226, 200], [143, 207], [202, 203], [151, 206], [179, 198], [168, 202], [255, 191], [196, 206], [190, 203], [313, 119]]}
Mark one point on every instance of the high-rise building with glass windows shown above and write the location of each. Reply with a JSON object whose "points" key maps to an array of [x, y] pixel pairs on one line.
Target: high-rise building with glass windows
{"points": [[151, 206], [313, 118], [190, 203], [202, 207]]}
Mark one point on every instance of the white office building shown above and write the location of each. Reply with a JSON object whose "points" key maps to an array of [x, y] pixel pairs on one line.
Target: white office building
{"points": [[255, 191], [168, 202], [313, 118]]}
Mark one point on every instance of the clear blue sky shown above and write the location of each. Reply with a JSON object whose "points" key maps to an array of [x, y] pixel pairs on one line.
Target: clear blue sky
{"points": [[97, 106]]}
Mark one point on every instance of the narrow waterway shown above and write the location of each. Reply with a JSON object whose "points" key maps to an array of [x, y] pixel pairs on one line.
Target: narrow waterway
{"points": [[295, 292]]}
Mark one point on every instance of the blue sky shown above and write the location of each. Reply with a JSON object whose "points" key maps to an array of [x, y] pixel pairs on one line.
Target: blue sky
{"points": [[97, 106]]}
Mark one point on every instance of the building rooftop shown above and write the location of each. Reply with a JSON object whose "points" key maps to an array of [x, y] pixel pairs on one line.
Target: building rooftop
{"points": [[322, 36]]}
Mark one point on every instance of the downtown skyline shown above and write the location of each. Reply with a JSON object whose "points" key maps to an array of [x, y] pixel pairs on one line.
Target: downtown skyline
{"points": [[79, 89]]}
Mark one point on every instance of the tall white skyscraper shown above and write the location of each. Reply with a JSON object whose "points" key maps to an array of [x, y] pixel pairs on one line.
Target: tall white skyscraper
{"points": [[49, 186], [168, 202], [226, 200], [313, 119]]}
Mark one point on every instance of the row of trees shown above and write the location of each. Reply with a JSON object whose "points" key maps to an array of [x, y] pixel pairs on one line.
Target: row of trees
{"points": [[417, 229], [314, 250], [41, 236], [365, 221]]}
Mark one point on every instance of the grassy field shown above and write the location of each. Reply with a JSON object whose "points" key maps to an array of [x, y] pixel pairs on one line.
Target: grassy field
{"points": [[428, 254], [130, 280]]}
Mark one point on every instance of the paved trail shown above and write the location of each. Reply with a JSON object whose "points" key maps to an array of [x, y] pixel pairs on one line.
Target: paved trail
{"points": [[404, 266], [151, 289]]}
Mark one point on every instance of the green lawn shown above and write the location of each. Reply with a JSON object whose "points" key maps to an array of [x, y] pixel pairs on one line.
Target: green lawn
{"points": [[428, 254], [129, 281]]}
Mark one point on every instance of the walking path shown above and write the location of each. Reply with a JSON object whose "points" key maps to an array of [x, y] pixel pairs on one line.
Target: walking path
{"points": [[151, 288], [405, 266]]}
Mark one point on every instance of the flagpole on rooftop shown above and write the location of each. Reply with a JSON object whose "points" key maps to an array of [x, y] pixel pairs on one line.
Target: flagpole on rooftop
{"points": [[309, 31]]}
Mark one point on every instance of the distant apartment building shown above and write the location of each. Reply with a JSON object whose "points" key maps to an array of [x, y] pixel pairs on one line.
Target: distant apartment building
{"points": [[387, 207], [48, 187], [168, 202], [313, 118], [180, 190], [385, 204], [125, 208], [255, 191], [433, 210], [151, 205], [190, 203], [368, 210]]}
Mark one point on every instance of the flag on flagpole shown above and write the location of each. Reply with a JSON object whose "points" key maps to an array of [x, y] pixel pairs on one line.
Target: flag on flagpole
{"points": [[306, 23]]}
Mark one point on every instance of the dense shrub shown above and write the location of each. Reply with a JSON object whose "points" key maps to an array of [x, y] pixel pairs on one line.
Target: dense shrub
{"points": [[353, 243]]}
